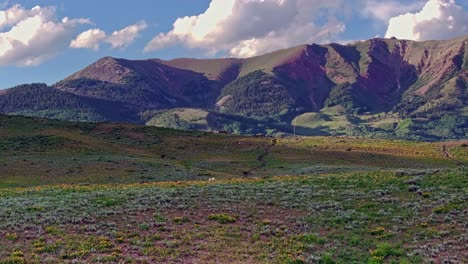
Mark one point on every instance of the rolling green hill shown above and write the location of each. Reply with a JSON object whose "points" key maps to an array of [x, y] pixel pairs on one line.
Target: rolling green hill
{"points": [[37, 151], [213, 121]]}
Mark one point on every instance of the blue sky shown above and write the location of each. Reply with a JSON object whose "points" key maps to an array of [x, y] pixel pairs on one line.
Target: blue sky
{"points": [[37, 43]]}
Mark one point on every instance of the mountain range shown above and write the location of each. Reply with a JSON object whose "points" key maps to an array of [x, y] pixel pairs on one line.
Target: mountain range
{"points": [[386, 88]]}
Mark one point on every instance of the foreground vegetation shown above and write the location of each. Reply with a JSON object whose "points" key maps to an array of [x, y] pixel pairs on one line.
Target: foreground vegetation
{"points": [[380, 217], [118, 193]]}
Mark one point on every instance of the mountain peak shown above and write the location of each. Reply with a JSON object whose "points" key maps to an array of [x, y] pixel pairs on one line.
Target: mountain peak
{"points": [[106, 69]]}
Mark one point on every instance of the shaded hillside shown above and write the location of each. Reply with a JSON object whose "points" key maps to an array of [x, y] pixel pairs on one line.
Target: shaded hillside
{"points": [[43, 101], [373, 82]]}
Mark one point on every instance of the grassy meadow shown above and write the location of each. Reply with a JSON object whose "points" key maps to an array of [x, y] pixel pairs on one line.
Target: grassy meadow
{"points": [[119, 193]]}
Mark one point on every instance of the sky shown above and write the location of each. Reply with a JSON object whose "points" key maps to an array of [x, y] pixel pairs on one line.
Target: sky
{"points": [[47, 40]]}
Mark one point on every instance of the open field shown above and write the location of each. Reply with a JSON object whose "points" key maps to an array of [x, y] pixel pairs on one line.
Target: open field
{"points": [[118, 193], [338, 218]]}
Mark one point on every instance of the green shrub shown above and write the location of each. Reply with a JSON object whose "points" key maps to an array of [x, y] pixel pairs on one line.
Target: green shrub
{"points": [[222, 218]]}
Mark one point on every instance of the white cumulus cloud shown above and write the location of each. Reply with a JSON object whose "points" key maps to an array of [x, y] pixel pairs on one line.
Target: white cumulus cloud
{"points": [[251, 27], [123, 38], [29, 37], [93, 38], [438, 19], [15, 14], [90, 39]]}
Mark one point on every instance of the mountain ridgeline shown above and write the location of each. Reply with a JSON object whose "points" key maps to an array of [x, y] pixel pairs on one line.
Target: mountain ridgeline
{"points": [[387, 88]]}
